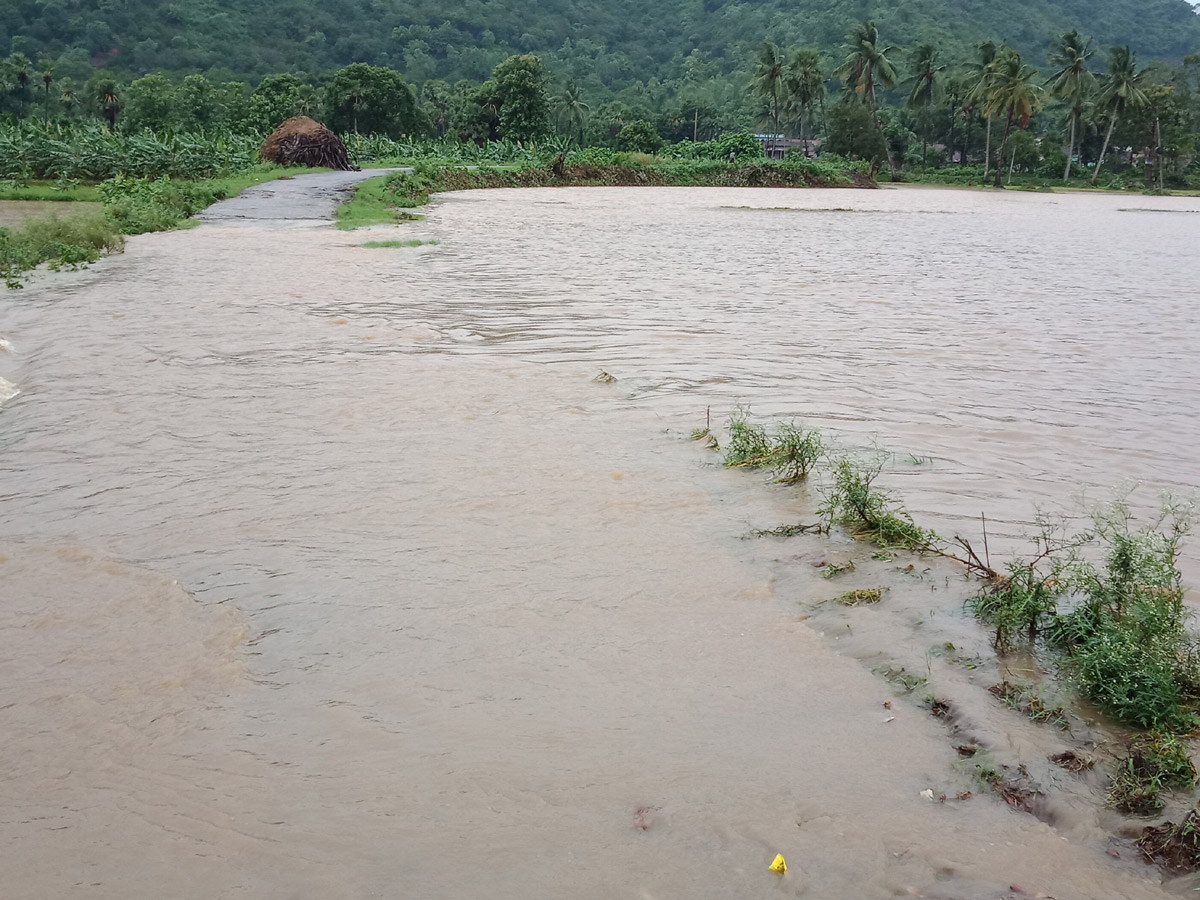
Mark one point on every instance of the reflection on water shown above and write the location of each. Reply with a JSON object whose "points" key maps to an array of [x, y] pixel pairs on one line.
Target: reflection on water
{"points": [[497, 608]]}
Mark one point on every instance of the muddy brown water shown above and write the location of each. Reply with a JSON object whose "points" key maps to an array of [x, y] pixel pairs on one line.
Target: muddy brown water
{"points": [[331, 571], [14, 213]]}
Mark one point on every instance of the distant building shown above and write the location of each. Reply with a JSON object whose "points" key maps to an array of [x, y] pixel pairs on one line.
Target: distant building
{"points": [[776, 146]]}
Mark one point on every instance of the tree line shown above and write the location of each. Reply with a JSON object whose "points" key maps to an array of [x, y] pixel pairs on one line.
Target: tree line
{"points": [[1073, 113], [919, 111]]}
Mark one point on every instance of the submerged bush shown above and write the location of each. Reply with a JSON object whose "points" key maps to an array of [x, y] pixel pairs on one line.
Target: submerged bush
{"points": [[61, 243], [791, 453], [853, 501], [1120, 623], [1023, 601], [1127, 641]]}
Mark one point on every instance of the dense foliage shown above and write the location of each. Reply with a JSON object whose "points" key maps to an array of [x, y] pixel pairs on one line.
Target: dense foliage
{"points": [[603, 46], [934, 111]]}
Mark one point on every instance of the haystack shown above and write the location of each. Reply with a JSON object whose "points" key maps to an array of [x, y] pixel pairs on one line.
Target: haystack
{"points": [[302, 142]]}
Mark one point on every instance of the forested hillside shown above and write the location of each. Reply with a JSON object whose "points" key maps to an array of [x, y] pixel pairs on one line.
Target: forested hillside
{"points": [[604, 45]]}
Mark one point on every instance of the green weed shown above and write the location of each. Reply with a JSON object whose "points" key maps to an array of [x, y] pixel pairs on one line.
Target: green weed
{"points": [[860, 596], [833, 570], [1155, 762], [390, 244], [1025, 700], [900, 678]]}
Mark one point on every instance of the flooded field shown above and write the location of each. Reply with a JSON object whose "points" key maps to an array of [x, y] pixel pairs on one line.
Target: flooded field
{"points": [[333, 572], [14, 213]]}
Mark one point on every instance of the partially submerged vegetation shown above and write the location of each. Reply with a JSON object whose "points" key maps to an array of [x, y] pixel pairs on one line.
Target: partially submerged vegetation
{"points": [[62, 243], [1103, 607], [860, 596], [131, 205], [396, 244], [386, 199], [1155, 762]]}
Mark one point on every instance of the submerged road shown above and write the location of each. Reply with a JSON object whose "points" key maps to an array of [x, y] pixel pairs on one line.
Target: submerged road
{"points": [[312, 198]]}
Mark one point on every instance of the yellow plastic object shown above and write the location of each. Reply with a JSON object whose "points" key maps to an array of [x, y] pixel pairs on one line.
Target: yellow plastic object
{"points": [[780, 865]]}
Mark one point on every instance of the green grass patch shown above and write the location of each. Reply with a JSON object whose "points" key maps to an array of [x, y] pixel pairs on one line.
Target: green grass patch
{"points": [[64, 191], [372, 203], [410, 243]]}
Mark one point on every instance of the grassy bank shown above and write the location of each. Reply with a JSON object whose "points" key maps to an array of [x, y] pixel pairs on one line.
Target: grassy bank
{"points": [[130, 206], [54, 191], [972, 176], [386, 199]]}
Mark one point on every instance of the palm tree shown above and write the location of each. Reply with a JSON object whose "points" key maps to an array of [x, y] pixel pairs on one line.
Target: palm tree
{"points": [[927, 85], [66, 95], [805, 86], [768, 79], [1072, 82], [108, 103], [19, 66], [572, 108], [47, 77], [867, 66], [308, 99], [978, 73], [1012, 91], [1122, 87]]}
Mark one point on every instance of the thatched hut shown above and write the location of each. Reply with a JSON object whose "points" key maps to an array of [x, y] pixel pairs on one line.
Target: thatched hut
{"points": [[300, 141]]}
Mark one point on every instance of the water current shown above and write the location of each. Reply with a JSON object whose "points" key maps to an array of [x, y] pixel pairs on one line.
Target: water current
{"points": [[332, 572]]}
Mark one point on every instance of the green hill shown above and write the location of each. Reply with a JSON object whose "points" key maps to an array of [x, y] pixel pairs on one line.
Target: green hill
{"points": [[613, 43]]}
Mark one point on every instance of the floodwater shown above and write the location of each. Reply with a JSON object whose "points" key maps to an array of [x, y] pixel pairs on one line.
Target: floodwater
{"points": [[14, 213], [332, 572]]}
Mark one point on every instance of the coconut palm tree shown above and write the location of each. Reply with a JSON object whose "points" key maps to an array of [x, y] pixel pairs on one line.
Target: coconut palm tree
{"points": [[104, 96], [47, 77], [805, 86], [978, 73], [1011, 90], [1072, 82], [308, 100], [66, 95], [926, 86], [866, 67], [573, 110], [767, 82], [1121, 88]]}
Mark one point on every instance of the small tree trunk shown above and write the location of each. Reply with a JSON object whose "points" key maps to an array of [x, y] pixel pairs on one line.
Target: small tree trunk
{"points": [[1070, 149], [695, 124], [1158, 148], [987, 150], [879, 127], [1112, 123], [1003, 141]]}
